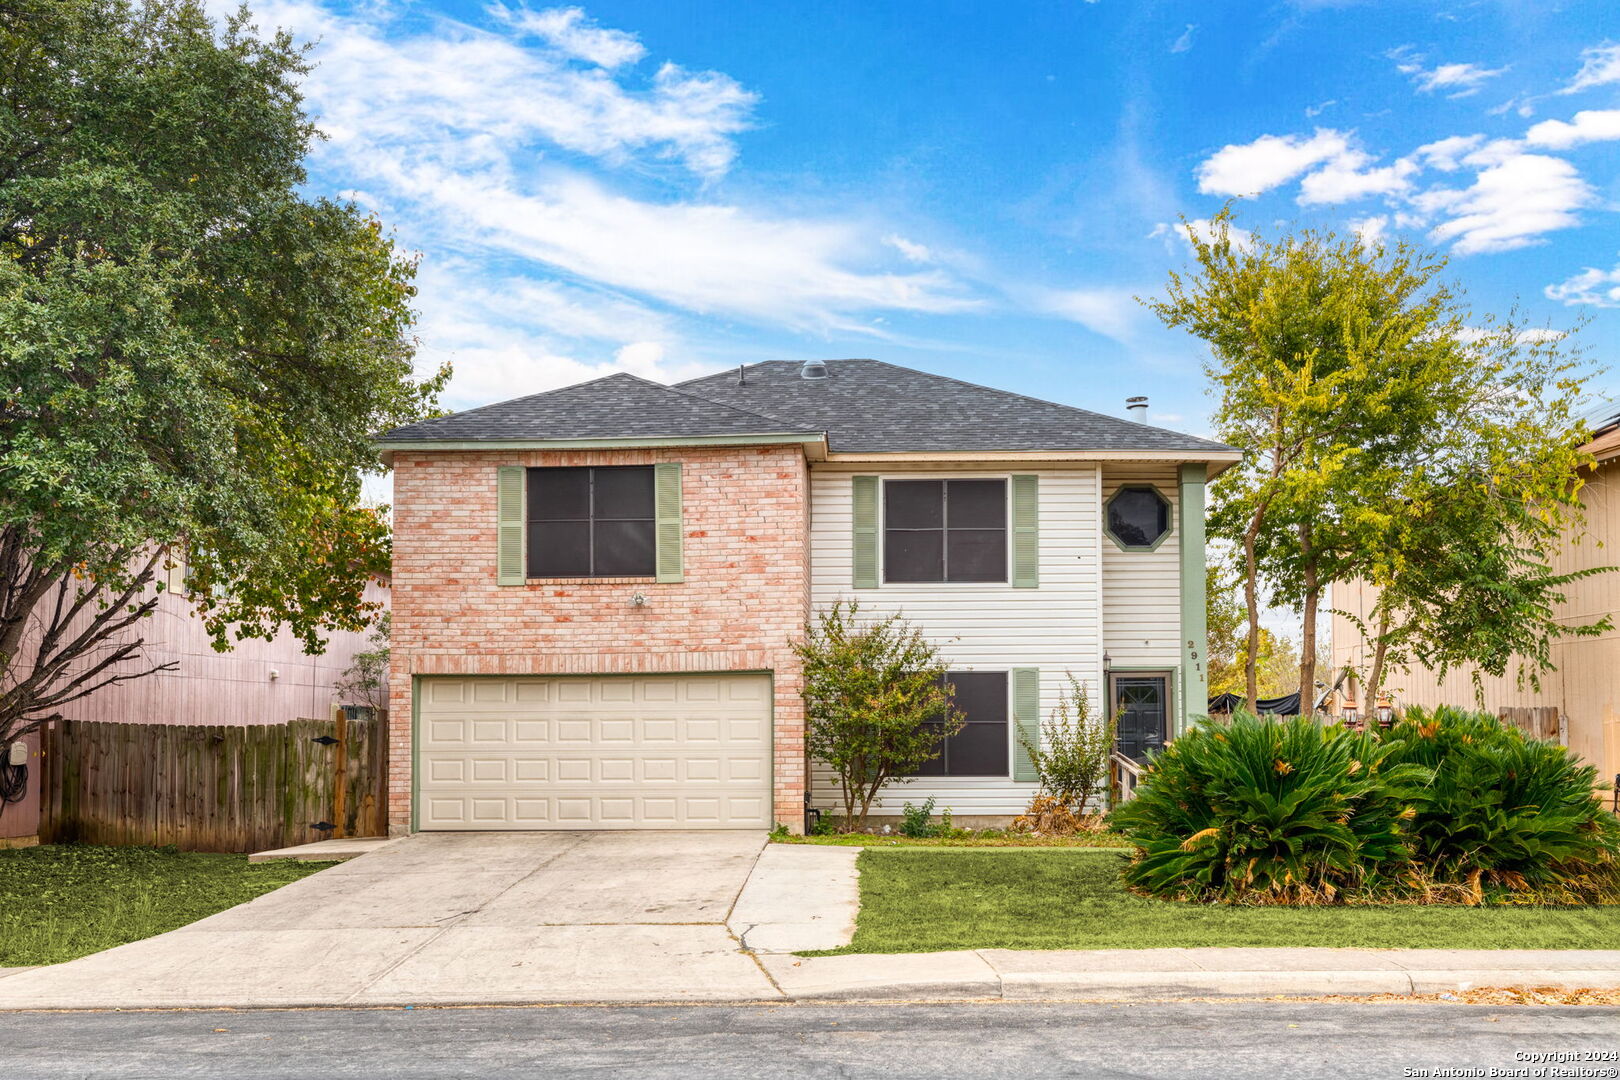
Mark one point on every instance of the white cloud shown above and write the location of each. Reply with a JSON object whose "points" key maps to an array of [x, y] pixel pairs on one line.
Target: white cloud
{"points": [[1258, 166], [1494, 152], [1600, 65], [454, 123], [1599, 288], [1242, 239], [909, 249], [1588, 126], [482, 97], [574, 34], [1462, 80], [1510, 205], [1370, 230], [702, 257], [1446, 154], [1111, 312], [1184, 43], [1313, 111], [1346, 178], [493, 148]]}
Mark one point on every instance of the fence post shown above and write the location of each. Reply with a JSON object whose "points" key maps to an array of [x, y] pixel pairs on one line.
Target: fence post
{"points": [[340, 770]]}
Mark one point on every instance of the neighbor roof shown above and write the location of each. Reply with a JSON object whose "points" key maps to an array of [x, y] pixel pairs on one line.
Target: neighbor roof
{"points": [[862, 406], [868, 406], [614, 407]]}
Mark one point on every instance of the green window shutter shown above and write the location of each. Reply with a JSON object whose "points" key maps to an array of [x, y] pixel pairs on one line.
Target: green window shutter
{"points": [[509, 483], [1026, 711], [669, 528], [865, 512], [1026, 538]]}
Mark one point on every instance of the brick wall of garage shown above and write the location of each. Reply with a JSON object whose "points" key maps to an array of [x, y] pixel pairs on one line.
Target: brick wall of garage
{"points": [[745, 597]]}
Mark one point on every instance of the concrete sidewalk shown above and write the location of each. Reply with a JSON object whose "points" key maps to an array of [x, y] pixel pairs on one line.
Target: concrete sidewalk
{"points": [[554, 918], [1164, 974]]}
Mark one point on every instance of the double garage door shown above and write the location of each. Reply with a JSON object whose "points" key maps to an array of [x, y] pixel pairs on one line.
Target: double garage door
{"points": [[612, 752]]}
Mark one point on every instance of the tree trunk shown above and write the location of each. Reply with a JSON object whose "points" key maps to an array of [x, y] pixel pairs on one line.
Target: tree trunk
{"points": [[1375, 678], [1307, 637]]}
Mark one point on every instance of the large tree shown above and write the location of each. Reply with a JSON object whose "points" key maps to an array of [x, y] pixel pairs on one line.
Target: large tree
{"points": [[1378, 416], [194, 353]]}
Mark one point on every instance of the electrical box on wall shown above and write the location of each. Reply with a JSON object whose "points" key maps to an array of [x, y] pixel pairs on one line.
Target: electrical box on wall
{"points": [[17, 753]]}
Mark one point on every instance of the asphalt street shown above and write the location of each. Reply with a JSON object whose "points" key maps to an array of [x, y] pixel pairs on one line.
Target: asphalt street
{"points": [[961, 1041]]}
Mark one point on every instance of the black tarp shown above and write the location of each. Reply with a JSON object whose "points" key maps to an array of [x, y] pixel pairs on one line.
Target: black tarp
{"points": [[1287, 705]]}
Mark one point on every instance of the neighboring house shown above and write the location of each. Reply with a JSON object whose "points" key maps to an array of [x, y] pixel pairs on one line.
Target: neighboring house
{"points": [[596, 589], [1585, 686], [257, 682]]}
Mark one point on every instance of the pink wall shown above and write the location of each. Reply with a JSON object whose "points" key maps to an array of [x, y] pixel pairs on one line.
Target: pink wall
{"points": [[22, 818], [208, 687]]}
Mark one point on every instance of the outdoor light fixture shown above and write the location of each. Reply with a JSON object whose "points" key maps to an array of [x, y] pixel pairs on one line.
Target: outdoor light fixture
{"points": [[638, 600], [1385, 711], [1107, 660], [1348, 712]]}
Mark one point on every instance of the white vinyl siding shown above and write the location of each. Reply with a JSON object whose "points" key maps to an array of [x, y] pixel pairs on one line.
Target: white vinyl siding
{"points": [[1142, 589], [979, 626]]}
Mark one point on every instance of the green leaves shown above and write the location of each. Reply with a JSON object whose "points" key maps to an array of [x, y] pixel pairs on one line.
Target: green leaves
{"points": [[877, 705], [1391, 436], [194, 354], [1299, 812]]}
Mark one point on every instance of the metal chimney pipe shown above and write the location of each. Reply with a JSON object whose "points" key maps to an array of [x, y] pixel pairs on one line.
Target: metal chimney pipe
{"points": [[1136, 408]]}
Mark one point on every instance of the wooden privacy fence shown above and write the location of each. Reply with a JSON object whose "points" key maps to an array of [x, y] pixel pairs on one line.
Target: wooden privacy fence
{"points": [[1538, 721], [214, 787]]}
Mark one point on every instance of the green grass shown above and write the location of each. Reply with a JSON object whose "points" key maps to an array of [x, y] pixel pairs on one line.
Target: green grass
{"points": [[1010, 840], [926, 901], [58, 902]]}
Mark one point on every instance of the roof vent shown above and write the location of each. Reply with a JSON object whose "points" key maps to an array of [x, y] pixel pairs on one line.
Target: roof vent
{"points": [[1136, 407], [813, 369]]}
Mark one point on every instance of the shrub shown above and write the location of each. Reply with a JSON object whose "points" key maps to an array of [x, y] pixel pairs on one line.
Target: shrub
{"points": [[876, 702], [1502, 809], [918, 821], [1258, 810], [1071, 761], [1450, 806]]}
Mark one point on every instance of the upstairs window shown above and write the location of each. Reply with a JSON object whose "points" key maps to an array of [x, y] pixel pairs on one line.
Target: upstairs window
{"points": [[944, 530], [591, 521], [1138, 518]]}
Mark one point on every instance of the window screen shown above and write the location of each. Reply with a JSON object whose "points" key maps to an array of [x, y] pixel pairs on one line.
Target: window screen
{"points": [[980, 748], [945, 530], [591, 521]]}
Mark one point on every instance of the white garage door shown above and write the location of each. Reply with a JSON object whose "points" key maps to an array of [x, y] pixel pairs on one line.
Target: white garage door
{"points": [[615, 752]]}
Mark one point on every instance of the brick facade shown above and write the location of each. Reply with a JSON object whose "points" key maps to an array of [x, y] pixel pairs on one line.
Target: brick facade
{"points": [[745, 597]]}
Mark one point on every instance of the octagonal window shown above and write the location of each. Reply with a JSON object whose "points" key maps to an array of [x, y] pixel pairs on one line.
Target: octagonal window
{"points": [[1138, 518]]}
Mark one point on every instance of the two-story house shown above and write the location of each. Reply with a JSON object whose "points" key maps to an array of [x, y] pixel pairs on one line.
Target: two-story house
{"points": [[596, 589]]}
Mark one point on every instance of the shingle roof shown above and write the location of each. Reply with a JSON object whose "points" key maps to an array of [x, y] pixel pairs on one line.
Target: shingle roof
{"points": [[873, 407], [863, 406], [617, 406]]}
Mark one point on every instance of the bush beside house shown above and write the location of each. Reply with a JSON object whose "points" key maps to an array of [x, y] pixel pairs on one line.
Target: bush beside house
{"points": [[1448, 807]]}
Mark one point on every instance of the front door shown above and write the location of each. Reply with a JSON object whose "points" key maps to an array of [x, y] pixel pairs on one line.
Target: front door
{"points": [[1142, 703]]}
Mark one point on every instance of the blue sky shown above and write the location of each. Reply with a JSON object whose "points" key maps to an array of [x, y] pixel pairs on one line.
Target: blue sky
{"points": [[976, 189]]}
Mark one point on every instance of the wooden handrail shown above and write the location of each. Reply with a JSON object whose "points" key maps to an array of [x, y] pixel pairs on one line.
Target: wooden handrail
{"points": [[1125, 775]]}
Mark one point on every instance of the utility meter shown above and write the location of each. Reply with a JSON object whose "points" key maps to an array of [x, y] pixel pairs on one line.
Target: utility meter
{"points": [[17, 753]]}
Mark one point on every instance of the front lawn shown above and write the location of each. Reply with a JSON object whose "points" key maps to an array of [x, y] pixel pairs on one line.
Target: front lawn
{"points": [[992, 840], [927, 901], [58, 902]]}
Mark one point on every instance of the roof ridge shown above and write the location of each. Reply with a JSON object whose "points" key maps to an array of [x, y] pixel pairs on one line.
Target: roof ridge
{"points": [[527, 397], [1028, 397], [675, 389]]}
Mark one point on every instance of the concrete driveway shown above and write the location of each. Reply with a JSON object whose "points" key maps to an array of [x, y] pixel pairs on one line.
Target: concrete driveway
{"points": [[447, 918]]}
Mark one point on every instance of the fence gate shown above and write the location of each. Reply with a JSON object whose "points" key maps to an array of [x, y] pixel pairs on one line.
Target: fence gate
{"points": [[214, 787]]}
